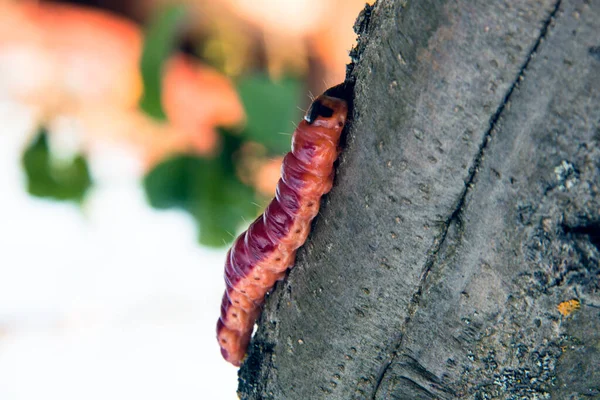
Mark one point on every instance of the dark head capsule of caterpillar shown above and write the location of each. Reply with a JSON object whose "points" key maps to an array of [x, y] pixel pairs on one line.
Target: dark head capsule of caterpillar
{"points": [[317, 109]]}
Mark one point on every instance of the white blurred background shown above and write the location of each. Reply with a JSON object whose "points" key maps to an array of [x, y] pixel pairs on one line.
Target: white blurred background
{"points": [[114, 302]]}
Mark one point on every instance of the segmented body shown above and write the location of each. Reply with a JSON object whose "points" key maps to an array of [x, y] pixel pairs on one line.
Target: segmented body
{"points": [[260, 256]]}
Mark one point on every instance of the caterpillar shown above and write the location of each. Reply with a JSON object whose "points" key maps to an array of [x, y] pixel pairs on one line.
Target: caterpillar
{"points": [[261, 256]]}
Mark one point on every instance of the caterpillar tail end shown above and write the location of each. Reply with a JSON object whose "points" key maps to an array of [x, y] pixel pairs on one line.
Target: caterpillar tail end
{"points": [[233, 344]]}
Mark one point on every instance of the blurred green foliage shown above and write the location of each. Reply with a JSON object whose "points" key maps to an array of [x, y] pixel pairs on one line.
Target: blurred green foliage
{"points": [[272, 109], [52, 178], [160, 40], [206, 188]]}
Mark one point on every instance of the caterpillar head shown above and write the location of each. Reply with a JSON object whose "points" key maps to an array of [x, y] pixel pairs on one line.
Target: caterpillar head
{"points": [[328, 112]]}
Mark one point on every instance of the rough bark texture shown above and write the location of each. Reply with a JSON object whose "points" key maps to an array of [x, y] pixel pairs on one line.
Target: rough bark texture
{"points": [[466, 209]]}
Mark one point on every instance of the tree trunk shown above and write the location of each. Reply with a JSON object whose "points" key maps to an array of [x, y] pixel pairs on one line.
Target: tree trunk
{"points": [[464, 217]]}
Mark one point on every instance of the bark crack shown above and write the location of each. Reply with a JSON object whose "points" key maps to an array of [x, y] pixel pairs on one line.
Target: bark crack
{"points": [[455, 216]]}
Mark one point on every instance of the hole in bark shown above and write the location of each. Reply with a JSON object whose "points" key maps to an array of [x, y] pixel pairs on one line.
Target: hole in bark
{"points": [[592, 231]]}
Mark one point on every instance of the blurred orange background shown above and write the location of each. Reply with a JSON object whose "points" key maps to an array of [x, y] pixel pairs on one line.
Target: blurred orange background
{"points": [[137, 138]]}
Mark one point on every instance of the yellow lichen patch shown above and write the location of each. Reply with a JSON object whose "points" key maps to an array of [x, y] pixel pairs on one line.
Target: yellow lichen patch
{"points": [[566, 308]]}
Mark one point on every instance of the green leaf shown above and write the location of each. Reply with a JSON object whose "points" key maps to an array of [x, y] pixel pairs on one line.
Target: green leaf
{"points": [[47, 177], [272, 109], [160, 39], [223, 210], [206, 188]]}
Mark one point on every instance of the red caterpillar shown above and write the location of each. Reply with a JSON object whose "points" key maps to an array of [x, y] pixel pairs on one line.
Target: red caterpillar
{"points": [[261, 255]]}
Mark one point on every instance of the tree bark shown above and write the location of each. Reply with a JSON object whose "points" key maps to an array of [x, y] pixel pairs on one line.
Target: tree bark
{"points": [[466, 209]]}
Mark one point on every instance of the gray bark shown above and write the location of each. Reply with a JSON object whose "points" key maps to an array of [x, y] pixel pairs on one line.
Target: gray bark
{"points": [[466, 208]]}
